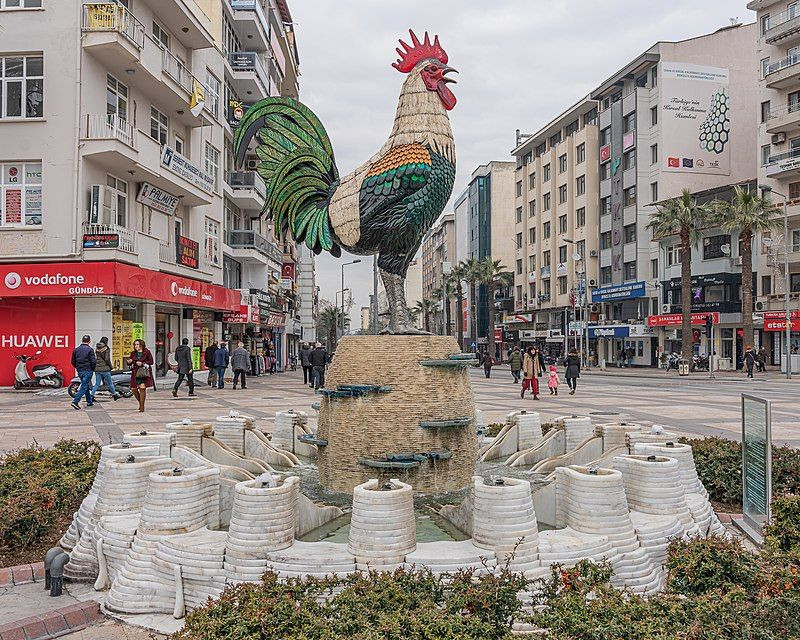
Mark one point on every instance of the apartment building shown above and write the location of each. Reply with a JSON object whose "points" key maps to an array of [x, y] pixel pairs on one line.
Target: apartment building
{"points": [[778, 145], [556, 218], [678, 116], [490, 204], [438, 253], [116, 195]]}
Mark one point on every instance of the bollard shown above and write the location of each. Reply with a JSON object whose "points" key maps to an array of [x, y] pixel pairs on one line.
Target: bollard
{"points": [[57, 574], [48, 561]]}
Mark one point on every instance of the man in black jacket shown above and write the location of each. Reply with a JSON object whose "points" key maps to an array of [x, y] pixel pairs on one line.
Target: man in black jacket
{"points": [[208, 358], [103, 368], [318, 360], [84, 360], [183, 356], [305, 361]]}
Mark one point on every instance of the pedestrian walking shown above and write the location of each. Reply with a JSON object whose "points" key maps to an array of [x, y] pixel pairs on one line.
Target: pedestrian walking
{"points": [[208, 360], [488, 363], [630, 353], [222, 358], [573, 370], [240, 363], [552, 380], [183, 356], [141, 363], [749, 360], [530, 372], [761, 358], [515, 362], [102, 369], [84, 360], [305, 362], [318, 359]]}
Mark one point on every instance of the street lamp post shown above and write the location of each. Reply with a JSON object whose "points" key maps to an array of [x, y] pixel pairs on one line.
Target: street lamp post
{"points": [[356, 261], [767, 189], [583, 303]]}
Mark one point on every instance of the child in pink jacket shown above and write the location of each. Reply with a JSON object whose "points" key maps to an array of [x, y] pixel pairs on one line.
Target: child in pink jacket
{"points": [[553, 381]]}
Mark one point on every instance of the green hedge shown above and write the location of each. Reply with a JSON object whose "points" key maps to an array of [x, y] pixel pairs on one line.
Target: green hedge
{"points": [[40, 488]]}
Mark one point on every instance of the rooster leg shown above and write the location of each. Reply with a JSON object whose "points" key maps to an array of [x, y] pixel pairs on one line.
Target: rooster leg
{"points": [[399, 320]]}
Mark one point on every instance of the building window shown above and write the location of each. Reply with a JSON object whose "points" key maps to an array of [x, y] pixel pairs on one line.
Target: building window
{"points": [[605, 171], [519, 215], [212, 94], [766, 285], [116, 98], [519, 188], [673, 255], [179, 145], [629, 159], [519, 293], [630, 233], [562, 163], [562, 253], [532, 235], [765, 152], [117, 201], [765, 111], [654, 77], [21, 87], [653, 116], [555, 139], [654, 268], [532, 208], [532, 263], [580, 185], [794, 191], [532, 291], [546, 172], [546, 202], [546, 231], [212, 164], [590, 117], [653, 154], [713, 245], [764, 67], [526, 159], [605, 275], [580, 217], [605, 205], [562, 224], [532, 181], [20, 4], [605, 240], [571, 128], [562, 285], [159, 126], [580, 247], [629, 123], [629, 196], [20, 194], [545, 259], [546, 289], [160, 35], [793, 101], [540, 149], [654, 191], [580, 153], [519, 240], [605, 137], [562, 194], [212, 241], [764, 23], [519, 266], [630, 270]]}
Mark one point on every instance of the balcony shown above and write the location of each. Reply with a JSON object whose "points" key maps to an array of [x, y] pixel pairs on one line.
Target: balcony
{"points": [[125, 238], [246, 244], [110, 141], [783, 28], [248, 190], [784, 164], [250, 77], [250, 23], [784, 119], [112, 32], [784, 72], [545, 271]]}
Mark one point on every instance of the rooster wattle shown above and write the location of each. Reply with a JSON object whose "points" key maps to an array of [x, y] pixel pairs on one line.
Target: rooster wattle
{"points": [[387, 204]]}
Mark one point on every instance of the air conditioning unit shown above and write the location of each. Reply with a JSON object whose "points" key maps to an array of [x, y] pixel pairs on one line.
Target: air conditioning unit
{"points": [[100, 202], [252, 165], [737, 261], [602, 317], [759, 305], [594, 308], [778, 138], [593, 253], [665, 308], [592, 282]]}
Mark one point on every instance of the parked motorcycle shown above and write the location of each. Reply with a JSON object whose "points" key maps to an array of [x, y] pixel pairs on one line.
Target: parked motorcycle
{"points": [[699, 363], [672, 362], [44, 375], [121, 380]]}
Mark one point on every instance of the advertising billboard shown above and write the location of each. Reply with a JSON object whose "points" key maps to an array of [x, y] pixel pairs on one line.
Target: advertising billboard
{"points": [[695, 119]]}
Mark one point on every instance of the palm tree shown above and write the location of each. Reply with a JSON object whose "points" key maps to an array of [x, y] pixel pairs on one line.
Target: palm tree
{"points": [[329, 320], [425, 308], [458, 275], [496, 275], [685, 217], [749, 214], [413, 314], [445, 294], [474, 276]]}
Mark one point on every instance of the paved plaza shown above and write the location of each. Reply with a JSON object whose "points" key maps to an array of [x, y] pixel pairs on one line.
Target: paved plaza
{"points": [[691, 406]]}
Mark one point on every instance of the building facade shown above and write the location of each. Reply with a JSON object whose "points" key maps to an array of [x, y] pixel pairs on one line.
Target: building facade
{"points": [[118, 197], [438, 254], [778, 149]]}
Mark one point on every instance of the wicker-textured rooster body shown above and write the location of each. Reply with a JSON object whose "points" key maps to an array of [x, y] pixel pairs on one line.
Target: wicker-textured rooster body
{"points": [[387, 204]]}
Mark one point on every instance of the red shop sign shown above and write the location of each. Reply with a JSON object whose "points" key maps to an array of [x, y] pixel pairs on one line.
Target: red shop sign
{"points": [[676, 319], [780, 315], [780, 325]]}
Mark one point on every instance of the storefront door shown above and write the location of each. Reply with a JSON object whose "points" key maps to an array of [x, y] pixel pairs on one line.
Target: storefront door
{"points": [[167, 330]]}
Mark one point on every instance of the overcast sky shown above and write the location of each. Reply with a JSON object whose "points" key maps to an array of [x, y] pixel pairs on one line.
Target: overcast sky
{"points": [[521, 63]]}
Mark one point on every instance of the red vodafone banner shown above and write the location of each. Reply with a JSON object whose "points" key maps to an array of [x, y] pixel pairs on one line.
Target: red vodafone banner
{"points": [[676, 319], [77, 279]]}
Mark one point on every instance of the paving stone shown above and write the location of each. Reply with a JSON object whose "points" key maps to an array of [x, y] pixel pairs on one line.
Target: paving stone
{"points": [[54, 621]]}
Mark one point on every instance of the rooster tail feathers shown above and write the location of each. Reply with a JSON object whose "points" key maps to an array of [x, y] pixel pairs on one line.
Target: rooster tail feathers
{"points": [[298, 166]]}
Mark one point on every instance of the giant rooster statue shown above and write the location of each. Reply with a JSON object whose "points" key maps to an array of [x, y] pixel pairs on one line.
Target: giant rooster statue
{"points": [[387, 204]]}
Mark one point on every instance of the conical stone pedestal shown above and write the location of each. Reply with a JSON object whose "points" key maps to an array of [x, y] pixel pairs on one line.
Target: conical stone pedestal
{"points": [[409, 396]]}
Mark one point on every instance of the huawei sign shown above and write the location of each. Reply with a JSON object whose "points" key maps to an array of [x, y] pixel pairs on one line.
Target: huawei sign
{"points": [[184, 291], [12, 280]]}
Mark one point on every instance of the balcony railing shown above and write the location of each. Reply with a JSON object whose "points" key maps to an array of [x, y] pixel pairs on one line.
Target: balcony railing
{"points": [[782, 18], [247, 180], [247, 239], [251, 61], [110, 126], [779, 112], [789, 155], [176, 70], [783, 63], [127, 237], [110, 16]]}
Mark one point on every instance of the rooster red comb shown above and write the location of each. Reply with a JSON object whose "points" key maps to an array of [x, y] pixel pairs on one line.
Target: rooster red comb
{"points": [[420, 51]]}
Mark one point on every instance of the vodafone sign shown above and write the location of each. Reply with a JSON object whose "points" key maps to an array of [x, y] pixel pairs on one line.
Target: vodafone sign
{"points": [[75, 279]]}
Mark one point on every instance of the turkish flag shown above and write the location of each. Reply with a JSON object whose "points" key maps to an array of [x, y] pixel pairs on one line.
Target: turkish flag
{"points": [[673, 162]]}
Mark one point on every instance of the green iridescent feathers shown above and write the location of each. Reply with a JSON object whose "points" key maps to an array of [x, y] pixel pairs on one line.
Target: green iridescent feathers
{"points": [[297, 163]]}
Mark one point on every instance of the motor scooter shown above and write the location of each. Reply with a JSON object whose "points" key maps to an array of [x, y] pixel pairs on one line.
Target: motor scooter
{"points": [[121, 380], [44, 375]]}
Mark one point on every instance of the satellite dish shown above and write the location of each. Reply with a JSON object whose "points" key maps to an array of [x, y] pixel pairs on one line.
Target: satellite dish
{"points": [[726, 249], [577, 256]]}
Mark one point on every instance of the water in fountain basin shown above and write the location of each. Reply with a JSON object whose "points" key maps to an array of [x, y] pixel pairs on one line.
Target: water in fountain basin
{"points": [[431, 527]]}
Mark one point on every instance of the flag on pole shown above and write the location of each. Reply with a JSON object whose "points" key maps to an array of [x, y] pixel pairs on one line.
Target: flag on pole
{"points": [[198, 99]]}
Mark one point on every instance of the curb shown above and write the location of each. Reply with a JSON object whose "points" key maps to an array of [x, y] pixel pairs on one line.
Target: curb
{"points": [[21, 574], [52, 623]]}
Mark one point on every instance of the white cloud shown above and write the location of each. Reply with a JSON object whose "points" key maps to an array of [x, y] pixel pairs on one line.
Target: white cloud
{"points": [[521, 63]]}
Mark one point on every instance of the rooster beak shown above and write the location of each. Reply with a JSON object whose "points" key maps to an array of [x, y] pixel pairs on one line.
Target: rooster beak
{"points": [[447, 70]]}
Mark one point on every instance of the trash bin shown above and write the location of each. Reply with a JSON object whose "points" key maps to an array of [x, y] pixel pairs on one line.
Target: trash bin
{"points": [[683, 367]]}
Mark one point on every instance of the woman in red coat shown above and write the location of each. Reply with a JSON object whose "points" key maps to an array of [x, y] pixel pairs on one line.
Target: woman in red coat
{"points": [[141, 363]]}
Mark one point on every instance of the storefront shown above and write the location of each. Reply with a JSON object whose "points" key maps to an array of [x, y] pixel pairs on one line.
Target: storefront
{"points": [[775, 334], [668, 327], [49, 306], [625, 344]]}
